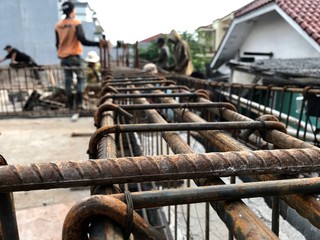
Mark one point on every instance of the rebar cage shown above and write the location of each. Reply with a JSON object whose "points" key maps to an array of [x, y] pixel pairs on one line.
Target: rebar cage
{"points": [[181, 158]]}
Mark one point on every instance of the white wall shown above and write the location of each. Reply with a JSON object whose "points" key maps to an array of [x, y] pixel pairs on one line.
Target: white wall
{"points": [[272, 33]]}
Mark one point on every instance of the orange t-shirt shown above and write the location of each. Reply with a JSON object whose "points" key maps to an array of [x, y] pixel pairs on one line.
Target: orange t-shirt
{"points": [[68, 41]]}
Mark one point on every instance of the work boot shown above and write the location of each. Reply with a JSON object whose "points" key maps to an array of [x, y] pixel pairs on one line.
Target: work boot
{"points": [[70, 102], [79, 101]]}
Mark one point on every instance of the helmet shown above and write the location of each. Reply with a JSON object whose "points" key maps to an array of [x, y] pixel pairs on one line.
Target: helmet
{"points": [[92, 57]]}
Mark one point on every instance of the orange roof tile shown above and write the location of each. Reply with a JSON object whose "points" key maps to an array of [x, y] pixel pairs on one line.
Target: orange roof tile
{"points": [[305, 12]]}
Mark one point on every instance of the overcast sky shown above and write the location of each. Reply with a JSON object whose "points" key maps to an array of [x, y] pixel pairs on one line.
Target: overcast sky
{"points": [[135, 20]]}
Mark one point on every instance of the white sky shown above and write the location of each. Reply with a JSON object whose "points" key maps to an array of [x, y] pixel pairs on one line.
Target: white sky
{"points": [[136, 20]]}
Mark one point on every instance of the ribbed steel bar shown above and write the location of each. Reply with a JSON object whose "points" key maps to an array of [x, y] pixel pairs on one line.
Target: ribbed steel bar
{"points": [[148, 95], [119, 170], [241, 229], [95, 138], [218, 138], [140, 83], [106, 148], [280, 140], [136, 79], [121, 108], [155, 95], [158, 198], [153, 88], [190, 105], [9, 226], [77, 221]]}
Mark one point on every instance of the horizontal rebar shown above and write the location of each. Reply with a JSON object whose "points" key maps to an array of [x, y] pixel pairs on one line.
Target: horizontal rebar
{"points": [[152, 95], [179, 105], [156, 168], [140, 83], [153, 88], [101, 132], [159, 198]]}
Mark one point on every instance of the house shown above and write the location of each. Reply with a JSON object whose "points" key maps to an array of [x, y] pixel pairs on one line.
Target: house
{"points": [[210, 36], [146, 42], [30, 28], [266, 30], [90, 23]]}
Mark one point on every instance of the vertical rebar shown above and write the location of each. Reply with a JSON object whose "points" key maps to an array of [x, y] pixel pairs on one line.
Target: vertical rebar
{"points": [[9, 226]]}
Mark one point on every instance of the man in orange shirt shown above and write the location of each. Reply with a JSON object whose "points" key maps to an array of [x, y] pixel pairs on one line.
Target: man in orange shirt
{"points": [[69, 40]]}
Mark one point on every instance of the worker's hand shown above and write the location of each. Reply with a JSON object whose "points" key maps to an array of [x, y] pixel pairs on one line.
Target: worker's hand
{"points": [[103, 43]]}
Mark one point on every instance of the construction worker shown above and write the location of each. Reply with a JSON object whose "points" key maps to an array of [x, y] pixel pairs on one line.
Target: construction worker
{"points": [[182, 56], [20, 59], [163, 59], [69, 40], [93, 67]]}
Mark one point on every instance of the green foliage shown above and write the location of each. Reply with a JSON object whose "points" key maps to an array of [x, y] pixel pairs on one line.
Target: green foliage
{"points": [[149, 53], [199, 59]]}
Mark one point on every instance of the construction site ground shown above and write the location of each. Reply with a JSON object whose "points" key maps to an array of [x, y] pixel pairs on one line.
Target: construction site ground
{"points": [[40, 214]]}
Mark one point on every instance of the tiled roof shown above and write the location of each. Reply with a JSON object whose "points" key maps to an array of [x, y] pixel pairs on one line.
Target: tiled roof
{"points": [[298, 71], [305, 12], [153, 38]]}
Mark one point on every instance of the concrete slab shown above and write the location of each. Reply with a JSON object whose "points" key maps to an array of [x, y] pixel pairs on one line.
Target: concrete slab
{"points": [[40, 214]]}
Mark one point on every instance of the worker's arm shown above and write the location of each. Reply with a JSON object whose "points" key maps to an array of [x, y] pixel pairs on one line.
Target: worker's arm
{"points": [[13, 57], [57, 39], [3, 59], [81, 37]]}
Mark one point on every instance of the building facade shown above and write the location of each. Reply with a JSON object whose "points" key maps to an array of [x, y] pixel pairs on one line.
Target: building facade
{"points": [[29, 26]]}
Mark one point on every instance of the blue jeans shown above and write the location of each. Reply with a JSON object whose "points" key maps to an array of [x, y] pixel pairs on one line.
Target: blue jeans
{"points": [[74, 64]]}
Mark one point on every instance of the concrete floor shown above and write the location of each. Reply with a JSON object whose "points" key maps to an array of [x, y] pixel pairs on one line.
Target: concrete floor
{"points": [[40, 214]]}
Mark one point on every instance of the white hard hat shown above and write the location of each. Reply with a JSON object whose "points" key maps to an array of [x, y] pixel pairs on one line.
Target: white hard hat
{"points": [[92, 57]]}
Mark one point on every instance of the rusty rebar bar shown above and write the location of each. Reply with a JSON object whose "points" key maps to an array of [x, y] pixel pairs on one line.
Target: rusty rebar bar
{"points": [[230, 218], [147, 95], [148, 168], [159, 198], [140, 83], [78, 219], [101, 132], [9, 226], [180, 87], [280, 140]]}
